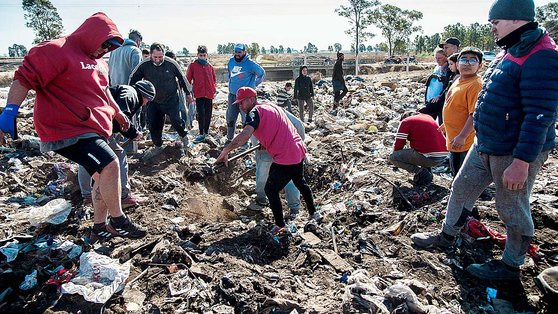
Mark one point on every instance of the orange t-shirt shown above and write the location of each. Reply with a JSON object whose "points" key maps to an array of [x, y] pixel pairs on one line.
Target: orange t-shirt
{"points": [[460, 104]]}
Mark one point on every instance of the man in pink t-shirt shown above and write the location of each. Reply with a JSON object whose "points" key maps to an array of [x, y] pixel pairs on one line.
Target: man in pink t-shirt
{"points": [[269, 124]]}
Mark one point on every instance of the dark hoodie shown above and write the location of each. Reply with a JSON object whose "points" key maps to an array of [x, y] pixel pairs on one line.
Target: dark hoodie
{"points": [[303, 89], [70, 83]]}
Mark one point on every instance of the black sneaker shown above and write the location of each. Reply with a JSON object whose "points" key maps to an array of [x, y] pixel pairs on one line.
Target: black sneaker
{"points": [[494, 270], [127, 229], [100, 234]]}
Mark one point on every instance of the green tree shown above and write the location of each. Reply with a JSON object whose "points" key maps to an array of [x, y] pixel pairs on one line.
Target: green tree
{"points": [[310, 48], [330, 48], [220, 49], [263, 50], [476, 35], [337, 47], [358, 12], [254, 49], [369, 48], [272, 49], [396, 24], [548, 16], [362, 48], [185, 51], [289, 50], [281, 49], [382, 47], [43, 18]]}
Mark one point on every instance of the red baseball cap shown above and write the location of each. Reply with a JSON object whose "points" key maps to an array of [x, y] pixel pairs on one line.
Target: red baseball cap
{"points": [[243, 93]]}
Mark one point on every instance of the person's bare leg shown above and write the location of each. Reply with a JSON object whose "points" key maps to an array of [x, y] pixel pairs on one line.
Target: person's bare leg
{"points": [[99, 206], [108, 187]]}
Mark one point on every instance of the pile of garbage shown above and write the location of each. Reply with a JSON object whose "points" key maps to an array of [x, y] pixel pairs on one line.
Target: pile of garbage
{"points": [[209, 248]]}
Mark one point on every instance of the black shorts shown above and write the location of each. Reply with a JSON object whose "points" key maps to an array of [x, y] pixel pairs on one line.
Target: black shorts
{"points": [[94, 154]]}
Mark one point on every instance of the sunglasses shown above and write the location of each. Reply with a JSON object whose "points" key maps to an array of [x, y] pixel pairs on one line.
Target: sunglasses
{"points": [[464, 61], [106, 45]]}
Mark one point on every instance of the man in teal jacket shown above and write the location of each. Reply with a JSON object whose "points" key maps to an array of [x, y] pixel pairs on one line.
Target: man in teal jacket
{"points": [[243, 72]]}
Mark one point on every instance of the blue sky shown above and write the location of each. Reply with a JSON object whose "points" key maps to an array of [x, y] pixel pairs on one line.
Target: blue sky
{"points": [[292, 23]]}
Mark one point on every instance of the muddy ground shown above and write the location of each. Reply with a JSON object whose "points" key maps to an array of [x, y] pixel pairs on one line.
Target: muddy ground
{"points": [[203, 221]]}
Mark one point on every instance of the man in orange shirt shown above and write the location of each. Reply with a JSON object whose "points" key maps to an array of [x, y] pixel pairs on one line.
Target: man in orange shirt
{"points": [[460, 106]]}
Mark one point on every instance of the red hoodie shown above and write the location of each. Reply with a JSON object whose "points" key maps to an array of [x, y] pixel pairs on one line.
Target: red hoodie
{"points": [[70, 83], [204, 79]]}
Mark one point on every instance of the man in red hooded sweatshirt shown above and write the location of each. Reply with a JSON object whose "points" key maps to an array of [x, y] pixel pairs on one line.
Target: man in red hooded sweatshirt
{"points": [[73, 113]]}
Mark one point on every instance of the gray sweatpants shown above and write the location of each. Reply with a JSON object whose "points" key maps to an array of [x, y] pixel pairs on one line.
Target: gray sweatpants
{"points": [[310, 103], [480, 170], [412, 161]]}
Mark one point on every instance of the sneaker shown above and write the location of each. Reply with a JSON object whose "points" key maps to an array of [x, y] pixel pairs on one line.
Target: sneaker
{"points": [[100, 234], [132, 200], [200, 138], [152, 152], [293, 213], [87, 200], [494, 270], [186, 142], [423, 177], [262, 202], [128, 229], [317, 217], [435, 239]]}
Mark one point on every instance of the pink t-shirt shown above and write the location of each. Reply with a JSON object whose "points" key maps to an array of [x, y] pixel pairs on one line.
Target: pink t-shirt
{"points": [[278, 135]]}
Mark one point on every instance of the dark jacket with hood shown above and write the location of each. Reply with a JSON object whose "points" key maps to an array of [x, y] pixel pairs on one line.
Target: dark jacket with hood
{"points": [[70, 82], [516, 108], [163, 77], [129, 100], [303, 88]]}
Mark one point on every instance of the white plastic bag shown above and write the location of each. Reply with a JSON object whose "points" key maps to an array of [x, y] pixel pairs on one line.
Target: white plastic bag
{"points": [[54, 212], [99, 278]]}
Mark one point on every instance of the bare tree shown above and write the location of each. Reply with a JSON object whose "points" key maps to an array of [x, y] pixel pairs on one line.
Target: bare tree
{"points": [[358, 12]]}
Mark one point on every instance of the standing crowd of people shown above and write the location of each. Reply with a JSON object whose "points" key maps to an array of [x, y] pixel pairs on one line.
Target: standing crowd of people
{"points": [[497, 129]]}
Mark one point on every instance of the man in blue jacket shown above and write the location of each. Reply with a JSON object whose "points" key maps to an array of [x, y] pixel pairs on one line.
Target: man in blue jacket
{"points": [[125, 59], [515, 123], [242, 72]]}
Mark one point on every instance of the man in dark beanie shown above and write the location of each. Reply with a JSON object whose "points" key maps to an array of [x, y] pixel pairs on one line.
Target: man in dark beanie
{"points": [[515, 121]]}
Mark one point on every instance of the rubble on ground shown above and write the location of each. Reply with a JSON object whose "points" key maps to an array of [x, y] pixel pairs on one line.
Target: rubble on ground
{"points": [[208, 251]]}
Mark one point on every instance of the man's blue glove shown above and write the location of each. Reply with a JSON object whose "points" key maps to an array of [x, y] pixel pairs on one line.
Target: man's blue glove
{"points": [[8, 120]]}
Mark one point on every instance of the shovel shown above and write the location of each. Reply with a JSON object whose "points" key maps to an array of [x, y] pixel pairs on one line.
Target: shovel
{"points": [[238, 156]]}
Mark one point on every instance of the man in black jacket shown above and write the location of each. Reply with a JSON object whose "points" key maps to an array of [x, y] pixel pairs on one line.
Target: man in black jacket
{"points": [[163, 72], [338, 81], [303, 92], [129, 99]]}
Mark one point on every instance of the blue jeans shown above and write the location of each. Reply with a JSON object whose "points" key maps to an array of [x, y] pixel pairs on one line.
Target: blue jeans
{"points": [[263, 163], [84, 178], [232, 115]]}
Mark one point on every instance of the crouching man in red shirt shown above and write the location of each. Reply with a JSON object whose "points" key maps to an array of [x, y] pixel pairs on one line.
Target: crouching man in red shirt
{"points": [[427, 146]]}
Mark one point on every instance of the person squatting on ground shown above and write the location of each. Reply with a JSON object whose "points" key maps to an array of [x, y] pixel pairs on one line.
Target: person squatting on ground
{"points": [[338, 82], [201, 75], [427, 146], [263, 164], [163, 72], [242, 72], [284, 97], [74, 111], [460, 106], [303, 93], [129, 99], [515, 123], [270, 125]]}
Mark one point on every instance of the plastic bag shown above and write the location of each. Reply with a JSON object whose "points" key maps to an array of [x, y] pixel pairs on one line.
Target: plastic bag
{"points": [[11, 250], [30, 281], [54, 212], [99, 278]]}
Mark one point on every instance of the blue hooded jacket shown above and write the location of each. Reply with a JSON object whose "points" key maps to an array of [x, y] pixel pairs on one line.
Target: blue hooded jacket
{"points": [[244, 73], [516, 109]]}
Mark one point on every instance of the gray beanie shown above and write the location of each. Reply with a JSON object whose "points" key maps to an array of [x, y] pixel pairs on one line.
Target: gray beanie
{"points": [[512, 10]]}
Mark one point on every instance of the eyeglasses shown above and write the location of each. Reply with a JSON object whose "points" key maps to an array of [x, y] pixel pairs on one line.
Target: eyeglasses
{"points": [[464, 61], [106, 45]]}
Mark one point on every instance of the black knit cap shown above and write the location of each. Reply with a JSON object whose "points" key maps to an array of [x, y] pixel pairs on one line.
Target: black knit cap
{"points": [[146, 89], [523, 10]]}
